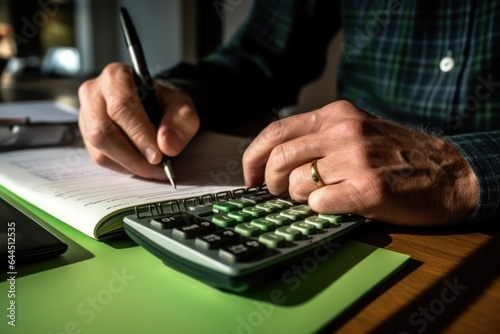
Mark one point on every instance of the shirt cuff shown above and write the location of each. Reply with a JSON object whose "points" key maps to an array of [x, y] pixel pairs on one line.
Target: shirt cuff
{"points": [[482, 151]]}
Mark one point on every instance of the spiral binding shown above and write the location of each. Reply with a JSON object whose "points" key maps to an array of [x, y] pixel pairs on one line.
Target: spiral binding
{"points": [[156, 209]]}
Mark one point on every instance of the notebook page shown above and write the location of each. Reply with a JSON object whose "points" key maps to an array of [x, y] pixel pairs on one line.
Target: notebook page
{"points": [[67, 184]]}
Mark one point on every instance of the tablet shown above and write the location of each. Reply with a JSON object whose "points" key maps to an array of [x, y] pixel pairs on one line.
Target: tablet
{"points": [[23, 240]]}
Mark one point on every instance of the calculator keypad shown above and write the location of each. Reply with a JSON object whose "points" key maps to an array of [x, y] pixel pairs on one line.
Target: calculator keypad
{"points": [[244, 228]]}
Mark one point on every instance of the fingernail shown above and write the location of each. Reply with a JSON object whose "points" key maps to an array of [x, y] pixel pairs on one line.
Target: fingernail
{"points": [[151, 155]]}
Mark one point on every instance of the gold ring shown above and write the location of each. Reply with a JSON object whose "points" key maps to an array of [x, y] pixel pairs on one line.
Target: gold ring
{"points": [[315, 175]]}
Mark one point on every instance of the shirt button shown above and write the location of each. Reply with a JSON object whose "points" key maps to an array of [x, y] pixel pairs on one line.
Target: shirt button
{"points": [[446, 64]]}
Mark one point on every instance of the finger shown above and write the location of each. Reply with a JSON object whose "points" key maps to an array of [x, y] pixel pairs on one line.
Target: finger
{"points": [[125, 109], [257, 154], [332, 170], [116, 153], [104, 161], [289, 163], [302, 183], [180, 123], [341, 198]]}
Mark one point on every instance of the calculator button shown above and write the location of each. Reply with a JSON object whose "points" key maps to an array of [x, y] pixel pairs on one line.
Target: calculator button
{"points": [[304, 209], [257, 198], [240, 203], [224, 207], [290, 234], [333, 219], [293, 214], [223, 220], [242, 250], [240, 216], [263, 224], [304, 228], [217, 239], [171, 221], [272, 240], [267, 207], [318, 222], [194, 229], [247, 230], [278, 219], [254, 211], [279, 204]]}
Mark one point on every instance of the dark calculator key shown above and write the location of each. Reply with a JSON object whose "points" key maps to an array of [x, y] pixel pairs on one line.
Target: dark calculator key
{"points": [[257, 197], [242, 250], [217, 239], [172, 221], [194, 229]]}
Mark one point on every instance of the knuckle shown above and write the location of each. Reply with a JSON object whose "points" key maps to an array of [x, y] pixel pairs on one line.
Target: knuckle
{"points": [[351, 128], [112, 69], [85, 89], [278, 158], [297, 187], [97, 136], [274, 131], [118, 107], [343, 104]]}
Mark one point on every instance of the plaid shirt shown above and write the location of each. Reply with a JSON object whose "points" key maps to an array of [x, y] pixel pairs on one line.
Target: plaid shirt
{"points": [[431, 65]]}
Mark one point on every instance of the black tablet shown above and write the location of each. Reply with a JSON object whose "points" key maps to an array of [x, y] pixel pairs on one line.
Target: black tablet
{"points": [[23, 240]]}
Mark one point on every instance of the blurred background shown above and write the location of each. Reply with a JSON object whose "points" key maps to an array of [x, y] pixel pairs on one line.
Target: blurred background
{"points": [[72, 40]]}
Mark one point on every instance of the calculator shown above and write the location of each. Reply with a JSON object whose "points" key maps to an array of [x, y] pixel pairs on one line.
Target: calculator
{"points": [[238, 243]]}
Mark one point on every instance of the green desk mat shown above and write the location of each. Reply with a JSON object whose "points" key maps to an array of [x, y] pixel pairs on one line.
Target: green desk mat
{"points": [[99, 287]]}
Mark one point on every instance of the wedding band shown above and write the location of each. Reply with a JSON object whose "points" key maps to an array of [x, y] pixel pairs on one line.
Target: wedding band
{"points": [[315, 175]]}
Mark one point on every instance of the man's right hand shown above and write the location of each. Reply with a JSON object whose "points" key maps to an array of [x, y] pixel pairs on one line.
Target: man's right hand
{"points": [[117, 132]]}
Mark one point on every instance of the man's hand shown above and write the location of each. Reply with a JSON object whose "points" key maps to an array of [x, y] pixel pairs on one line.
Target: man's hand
{"points": [[369, 166], [117, 132]]}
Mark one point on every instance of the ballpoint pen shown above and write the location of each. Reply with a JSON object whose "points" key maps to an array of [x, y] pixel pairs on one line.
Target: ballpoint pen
{"points": [[148, 94]]}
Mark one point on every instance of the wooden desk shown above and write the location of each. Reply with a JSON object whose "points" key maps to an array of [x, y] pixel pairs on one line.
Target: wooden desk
{"points": [[451, 286]]}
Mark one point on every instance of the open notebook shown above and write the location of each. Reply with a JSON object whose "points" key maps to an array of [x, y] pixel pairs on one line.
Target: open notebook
{"points": [[68, 185]]}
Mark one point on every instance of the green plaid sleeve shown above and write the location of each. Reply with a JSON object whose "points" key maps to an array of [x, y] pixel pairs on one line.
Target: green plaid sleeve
{"points": [[482, 151]]}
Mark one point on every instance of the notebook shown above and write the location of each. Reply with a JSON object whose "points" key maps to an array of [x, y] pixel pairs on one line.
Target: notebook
{"points": [[68, 185]]}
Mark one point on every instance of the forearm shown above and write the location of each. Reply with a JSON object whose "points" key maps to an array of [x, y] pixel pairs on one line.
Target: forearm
{"points": [[281, 47], [220, 95]]}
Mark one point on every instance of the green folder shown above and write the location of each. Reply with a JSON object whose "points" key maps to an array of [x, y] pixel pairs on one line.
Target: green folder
{"points": [[98, 287]]}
